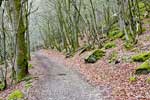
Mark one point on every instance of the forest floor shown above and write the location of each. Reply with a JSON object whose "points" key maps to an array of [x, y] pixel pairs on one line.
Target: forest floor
{"points": [[73, 78], [117, 76]]}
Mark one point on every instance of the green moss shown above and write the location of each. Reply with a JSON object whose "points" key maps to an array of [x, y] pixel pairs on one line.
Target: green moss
{"points": [[113, 57], [141, 5], [109, 45], [22, 60], [2, 86], [148, 80], [141, 57], [28, 85], [115, 34], [129, 45], [30, 66], [132, 79], [143, 11], [96, 55], [16, 95], [144, 68]]}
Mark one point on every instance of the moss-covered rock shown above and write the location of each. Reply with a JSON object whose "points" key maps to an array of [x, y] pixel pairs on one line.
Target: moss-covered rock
{"points": [[109, 45], [141, 57], [115, 34], [96, 55], [16, 95], [144, 68], [2, 86]]}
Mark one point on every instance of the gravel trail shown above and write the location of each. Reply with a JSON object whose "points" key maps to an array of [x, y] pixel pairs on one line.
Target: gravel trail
{"points": [[61, 83]]}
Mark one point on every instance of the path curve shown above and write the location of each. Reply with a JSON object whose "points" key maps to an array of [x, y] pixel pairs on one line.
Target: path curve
{"points": [[61, 83]]}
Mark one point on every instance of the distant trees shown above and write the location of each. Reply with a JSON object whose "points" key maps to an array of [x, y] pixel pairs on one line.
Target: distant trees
{"points": [[129, 16], [74, 23]]}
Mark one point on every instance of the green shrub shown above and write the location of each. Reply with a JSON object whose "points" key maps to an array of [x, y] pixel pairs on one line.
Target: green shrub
{"points": [[144, 68], [16, 95], [96, 55], [141, 57]]}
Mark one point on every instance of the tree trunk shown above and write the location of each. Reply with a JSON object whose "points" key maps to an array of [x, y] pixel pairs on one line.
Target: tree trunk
{"points": [[22, 61]]}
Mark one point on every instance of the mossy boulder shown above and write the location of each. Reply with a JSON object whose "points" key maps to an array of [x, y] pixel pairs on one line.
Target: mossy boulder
{"points": [[144, 68], [2, 86], [141, 57], [96, 55], [109, 45], [115, 34], [16, 95]]}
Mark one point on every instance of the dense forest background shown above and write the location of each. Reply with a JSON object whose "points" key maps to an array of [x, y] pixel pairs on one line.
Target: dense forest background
{"points": [[68, 26]]}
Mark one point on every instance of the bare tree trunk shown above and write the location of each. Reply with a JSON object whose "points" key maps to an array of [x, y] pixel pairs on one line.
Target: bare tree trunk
{"points": [[4, 50], [27, 14]]}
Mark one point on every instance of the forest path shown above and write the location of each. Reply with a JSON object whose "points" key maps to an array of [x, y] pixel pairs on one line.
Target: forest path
{"points": [[61, 83]]}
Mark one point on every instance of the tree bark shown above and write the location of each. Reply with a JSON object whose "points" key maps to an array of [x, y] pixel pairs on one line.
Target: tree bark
{"points": [[22, 60]]}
